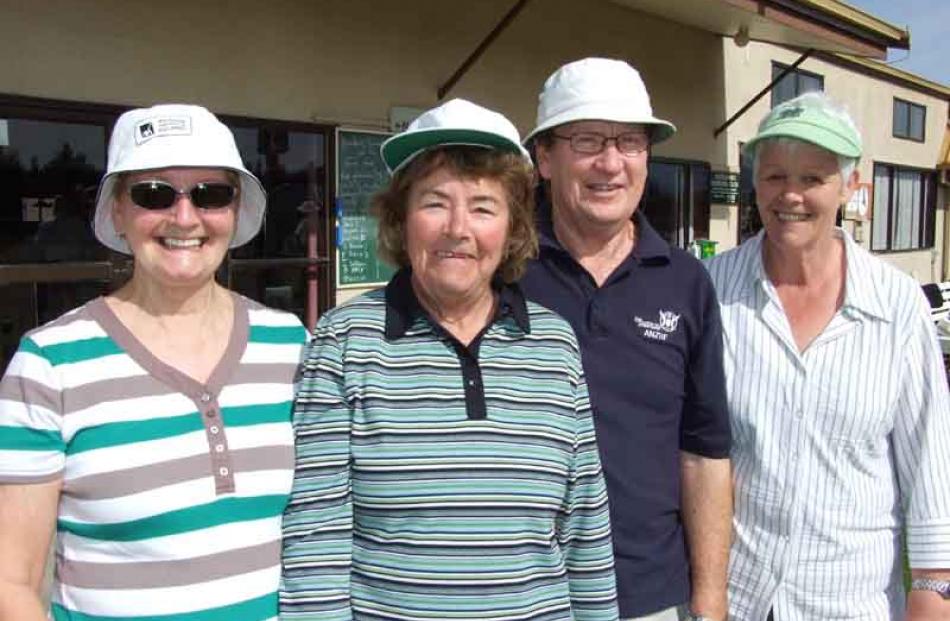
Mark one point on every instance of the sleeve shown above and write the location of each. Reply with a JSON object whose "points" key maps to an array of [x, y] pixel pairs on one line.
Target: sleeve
{"points": [[921, 444], [318, 521], [32, 449], [583, 525], [705, 429]]}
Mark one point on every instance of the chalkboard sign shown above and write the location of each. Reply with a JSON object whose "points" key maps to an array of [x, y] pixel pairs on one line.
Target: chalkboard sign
{"points": [[360, 173]]}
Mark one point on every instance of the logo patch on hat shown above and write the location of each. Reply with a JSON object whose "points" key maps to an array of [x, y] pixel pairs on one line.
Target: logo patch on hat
{"points": [[791, 113], [162, 126]]}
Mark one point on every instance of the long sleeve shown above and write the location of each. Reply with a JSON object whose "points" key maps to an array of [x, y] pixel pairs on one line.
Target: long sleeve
{"points": [[318, 522], [583, 527], [921, 440]]}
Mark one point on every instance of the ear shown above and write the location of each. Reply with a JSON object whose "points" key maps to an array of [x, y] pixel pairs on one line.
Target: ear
{"points": [[543, 156]]}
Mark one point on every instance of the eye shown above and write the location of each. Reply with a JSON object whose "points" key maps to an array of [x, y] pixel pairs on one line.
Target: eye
{"points": [[587, 140]]}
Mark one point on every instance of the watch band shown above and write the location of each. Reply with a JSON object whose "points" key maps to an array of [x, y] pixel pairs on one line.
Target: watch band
{"points": [[931, 584]]}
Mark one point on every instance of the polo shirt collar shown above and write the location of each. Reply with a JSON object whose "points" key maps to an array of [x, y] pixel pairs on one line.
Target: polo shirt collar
{"points": [[861, 291], [403, 308]]}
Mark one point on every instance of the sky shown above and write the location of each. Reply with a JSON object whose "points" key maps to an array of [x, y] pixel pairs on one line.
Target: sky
{"points": [[929, 25]]}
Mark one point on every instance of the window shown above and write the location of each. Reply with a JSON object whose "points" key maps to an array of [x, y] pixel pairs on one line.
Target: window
{"points": [[909, 120], [794, 83], [904, 208]]}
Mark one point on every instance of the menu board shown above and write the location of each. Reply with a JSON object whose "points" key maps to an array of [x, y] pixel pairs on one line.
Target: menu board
{"points": [[360, 173]]}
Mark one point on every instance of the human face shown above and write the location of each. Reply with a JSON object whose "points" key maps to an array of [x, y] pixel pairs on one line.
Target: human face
{"points": [[593, 192], [456, 232], [799, 189], [180, 246]]}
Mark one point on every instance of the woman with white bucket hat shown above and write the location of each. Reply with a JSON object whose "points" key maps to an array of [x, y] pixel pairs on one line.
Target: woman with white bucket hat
{"points": [[150, 428], [446, 460]]}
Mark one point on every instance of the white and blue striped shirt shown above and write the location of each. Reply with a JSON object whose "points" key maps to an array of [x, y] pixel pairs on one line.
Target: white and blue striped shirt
{"points": [[836, 448]]}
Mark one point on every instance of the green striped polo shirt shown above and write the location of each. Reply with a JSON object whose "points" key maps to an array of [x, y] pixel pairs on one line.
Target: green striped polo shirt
{"points": [[441, 482], [172, 490]]}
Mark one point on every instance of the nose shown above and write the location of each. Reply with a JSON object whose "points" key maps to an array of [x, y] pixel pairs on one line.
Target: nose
{"points": [[610, 159], [456, 227], [183, 211]]}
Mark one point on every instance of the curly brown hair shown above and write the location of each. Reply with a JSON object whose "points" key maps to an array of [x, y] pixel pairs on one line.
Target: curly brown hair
{"points": [[509, 169]]}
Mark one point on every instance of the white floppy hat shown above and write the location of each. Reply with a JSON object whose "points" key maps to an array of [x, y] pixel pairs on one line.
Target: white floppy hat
{"points": [[597, 89], [456, 122], [175, 135]]}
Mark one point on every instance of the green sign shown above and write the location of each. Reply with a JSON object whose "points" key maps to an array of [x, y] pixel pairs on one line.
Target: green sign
{"points": [[360, 173], [724, 188]]}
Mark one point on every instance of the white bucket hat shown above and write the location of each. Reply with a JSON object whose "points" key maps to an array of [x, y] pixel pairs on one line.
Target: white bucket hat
{"points": [[175, 135], [456, 122], [597, 89]]}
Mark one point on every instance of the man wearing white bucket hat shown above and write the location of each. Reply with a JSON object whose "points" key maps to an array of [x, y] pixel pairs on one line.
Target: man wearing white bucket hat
{"points": [[150, 428], [648, 323], [447, 466]]}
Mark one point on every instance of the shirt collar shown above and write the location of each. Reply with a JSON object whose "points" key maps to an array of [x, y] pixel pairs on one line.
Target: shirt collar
{"points": [[403, 308], [861, 291]]}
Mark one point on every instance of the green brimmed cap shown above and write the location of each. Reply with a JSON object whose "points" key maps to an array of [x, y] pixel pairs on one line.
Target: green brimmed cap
{"points": [[455, 123], [810, 118]]}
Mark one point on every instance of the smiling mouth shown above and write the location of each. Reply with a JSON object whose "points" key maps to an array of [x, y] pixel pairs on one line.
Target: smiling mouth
{"points": [[446, 254], [792, 217], [604, 187], [177, 243]]}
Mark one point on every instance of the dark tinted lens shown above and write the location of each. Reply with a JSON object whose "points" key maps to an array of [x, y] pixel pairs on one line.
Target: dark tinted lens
{"points": [[212, 195], [152, 195]]}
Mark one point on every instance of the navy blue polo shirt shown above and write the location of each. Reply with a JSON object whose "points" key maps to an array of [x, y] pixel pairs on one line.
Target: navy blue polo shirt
{"points": [[651, 343]]}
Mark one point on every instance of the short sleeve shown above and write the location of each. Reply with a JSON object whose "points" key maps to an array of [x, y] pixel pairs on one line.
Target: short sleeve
{"points": [[32, 449]]}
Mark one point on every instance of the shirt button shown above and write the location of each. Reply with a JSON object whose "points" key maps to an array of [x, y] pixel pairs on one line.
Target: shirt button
{"points": [[205, 397], [223, 472], [795, 456], [218, 448], [472, 382], [210, 413], [214, 429], [799, 413]]}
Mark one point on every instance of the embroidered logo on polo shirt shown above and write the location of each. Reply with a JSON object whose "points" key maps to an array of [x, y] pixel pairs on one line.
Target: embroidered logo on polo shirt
{"points": [[658, 330]]}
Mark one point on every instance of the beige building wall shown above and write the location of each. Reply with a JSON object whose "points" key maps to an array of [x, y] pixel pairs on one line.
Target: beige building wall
{"points": [[869, 100], [347, 62]]}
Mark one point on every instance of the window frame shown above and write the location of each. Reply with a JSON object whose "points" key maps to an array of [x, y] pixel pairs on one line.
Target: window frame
{"points": [[928, 209], [797, 73], [911, 106]]}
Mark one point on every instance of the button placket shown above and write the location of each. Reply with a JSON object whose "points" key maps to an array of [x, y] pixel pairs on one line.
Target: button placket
{"points": [[221, 468]]}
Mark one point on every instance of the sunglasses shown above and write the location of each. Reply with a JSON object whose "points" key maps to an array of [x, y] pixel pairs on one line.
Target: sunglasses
{"points": [[161, 195]]}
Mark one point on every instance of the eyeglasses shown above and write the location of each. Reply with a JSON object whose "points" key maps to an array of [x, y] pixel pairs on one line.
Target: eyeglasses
{"points": [[161, 195], [591, 143]]}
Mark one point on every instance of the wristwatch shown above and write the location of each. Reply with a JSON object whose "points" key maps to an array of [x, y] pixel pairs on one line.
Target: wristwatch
{"points": [[931, 584]]}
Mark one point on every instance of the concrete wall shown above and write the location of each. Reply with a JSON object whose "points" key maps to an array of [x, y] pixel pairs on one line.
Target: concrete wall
{"points": [[869, 100]]}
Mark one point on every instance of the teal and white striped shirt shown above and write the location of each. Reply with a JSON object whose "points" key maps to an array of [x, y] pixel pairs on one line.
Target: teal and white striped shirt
{"points": [[437, 481], [172, 490]]}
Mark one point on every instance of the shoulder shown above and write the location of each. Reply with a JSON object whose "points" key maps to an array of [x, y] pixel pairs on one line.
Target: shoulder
{"points": [[77, 328], [898, 293], [733, 267], [272, 325], [367, 310], [548, 328]]}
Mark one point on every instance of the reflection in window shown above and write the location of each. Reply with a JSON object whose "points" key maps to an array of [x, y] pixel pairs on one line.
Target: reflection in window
{"points": [[904, 208], [909, 120], [795, 83]]}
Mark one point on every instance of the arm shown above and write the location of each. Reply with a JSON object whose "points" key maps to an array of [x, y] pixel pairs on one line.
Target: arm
{"points": [[27, 522], [583, 525], [705, 470], [707, 518], [318, 522], [921, 447]]}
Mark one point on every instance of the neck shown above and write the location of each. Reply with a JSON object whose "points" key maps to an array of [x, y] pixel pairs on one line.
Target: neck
{"points": [[600, 250], [464, 317], [178, 302], [804, 267]]}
